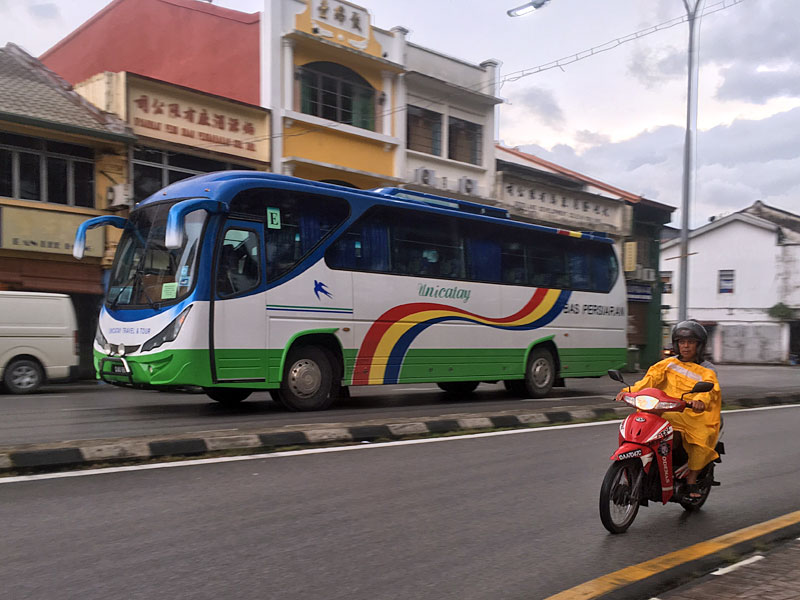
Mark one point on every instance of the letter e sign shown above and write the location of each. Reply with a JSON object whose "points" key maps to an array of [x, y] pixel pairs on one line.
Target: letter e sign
{"points": [[273, 218]]}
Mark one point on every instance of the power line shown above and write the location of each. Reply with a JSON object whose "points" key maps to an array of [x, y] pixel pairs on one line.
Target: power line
{"points": [[517, 75]]}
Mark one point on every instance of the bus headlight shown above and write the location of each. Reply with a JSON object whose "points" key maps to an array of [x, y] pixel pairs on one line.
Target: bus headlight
{"points": [[101, 340], [168, 334]]}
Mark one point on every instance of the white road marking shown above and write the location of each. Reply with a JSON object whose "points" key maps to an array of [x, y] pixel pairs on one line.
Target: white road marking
{"points": [[364, 446], [745, 562]]}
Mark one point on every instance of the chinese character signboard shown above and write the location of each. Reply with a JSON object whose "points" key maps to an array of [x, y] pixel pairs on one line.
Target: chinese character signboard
{"points": [[342, 15], [564, 208], [50, 231], [169, 113]]}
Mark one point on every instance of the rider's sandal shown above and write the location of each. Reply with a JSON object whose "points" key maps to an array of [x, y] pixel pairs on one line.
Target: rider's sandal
{"points": [[693, 491]]}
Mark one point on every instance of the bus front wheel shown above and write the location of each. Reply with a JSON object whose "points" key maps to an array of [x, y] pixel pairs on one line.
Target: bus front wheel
{"points": [[308, 381]]}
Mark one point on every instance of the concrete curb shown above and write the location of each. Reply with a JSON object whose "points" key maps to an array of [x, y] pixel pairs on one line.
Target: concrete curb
{"points": [[44, 457]]}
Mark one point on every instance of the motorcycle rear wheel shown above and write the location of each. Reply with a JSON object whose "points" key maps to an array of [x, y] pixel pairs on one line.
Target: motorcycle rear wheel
{"points": [[619, 501]]}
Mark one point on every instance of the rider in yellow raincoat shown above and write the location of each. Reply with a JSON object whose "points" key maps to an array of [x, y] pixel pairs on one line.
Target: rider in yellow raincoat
{"points": [[675, 375]]}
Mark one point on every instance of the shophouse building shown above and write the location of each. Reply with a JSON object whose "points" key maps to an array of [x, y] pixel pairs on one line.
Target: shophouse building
{"points": [[59, 158], [343, 95], [743, 284], [536, 190]]}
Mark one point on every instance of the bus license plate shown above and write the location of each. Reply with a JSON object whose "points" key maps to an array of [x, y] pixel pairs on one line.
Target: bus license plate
{"points": [[118, 370]]}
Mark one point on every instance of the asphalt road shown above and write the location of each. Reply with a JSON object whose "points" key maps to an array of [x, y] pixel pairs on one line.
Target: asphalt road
{"points": [[89, 410], [511, 516]]}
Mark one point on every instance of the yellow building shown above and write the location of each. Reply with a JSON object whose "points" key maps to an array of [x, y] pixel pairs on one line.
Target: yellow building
{"points": [[333, 82]]}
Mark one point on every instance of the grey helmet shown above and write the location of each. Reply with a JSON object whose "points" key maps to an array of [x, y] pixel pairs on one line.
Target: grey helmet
{"points": [[690, 330]]}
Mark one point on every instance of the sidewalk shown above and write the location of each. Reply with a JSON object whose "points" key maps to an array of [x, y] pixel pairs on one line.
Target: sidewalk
{"points": [[772, 575]]}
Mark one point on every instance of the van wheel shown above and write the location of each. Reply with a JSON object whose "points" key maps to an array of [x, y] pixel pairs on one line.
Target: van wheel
{"points": [[308, 380], [23, 376], [227, 396]]}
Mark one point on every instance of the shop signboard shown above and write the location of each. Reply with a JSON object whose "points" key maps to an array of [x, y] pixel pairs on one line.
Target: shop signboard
{"points": [[173, 114], [48, 231], [565, 208]]}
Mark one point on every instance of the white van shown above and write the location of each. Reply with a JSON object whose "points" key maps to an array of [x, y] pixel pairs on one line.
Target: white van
{"points": [[38, 339]]}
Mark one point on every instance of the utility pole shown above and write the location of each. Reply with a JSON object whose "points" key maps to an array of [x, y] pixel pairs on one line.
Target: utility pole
{"points": [[689, 147]]}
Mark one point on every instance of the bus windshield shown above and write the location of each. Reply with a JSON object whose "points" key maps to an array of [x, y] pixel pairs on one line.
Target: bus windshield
{"points": [[145, 271]]}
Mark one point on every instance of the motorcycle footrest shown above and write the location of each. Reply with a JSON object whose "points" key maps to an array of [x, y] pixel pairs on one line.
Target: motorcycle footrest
{"points": [[715, 483]]}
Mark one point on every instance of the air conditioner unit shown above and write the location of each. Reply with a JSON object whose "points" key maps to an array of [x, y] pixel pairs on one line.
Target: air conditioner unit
{"points": [[120, 195], [648, 274], [425, 176], [467, 185]]}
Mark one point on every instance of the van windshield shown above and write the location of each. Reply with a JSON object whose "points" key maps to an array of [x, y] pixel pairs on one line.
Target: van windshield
{"points": [[145, 271]]}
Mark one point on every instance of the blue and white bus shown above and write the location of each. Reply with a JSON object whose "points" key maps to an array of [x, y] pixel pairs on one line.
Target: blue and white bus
{"points": [[240, 280]]}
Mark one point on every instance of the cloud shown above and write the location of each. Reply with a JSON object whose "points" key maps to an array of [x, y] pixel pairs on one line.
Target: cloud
{"points": [[591, 138], [737, 164], [46, 11], [542, 104], [745, 83], [652, 66], [740, 41]]}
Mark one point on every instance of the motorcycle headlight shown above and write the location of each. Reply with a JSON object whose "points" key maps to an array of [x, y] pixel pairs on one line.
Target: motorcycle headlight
{"points": [[168, 334], [646, 402]]}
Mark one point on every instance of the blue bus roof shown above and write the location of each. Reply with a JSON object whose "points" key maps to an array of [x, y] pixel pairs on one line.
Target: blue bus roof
{"points": [[205, 184]]}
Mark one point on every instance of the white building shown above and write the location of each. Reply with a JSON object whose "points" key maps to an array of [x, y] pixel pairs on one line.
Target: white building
{"points": [[741, 266], [450, 124]]}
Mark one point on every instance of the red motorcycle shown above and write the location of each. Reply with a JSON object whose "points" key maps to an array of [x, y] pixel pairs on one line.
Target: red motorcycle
{"points": [[645, 440]]}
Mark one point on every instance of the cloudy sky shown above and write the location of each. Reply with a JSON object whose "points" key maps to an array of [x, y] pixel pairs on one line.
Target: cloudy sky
{"points": [[618, 115]]}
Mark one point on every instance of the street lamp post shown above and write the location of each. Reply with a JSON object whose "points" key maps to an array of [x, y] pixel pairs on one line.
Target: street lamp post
{"points": [[694, 8], [526, 8], [689, 158]]}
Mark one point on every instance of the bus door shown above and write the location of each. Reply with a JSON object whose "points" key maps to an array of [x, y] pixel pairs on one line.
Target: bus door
{"points": [[238, 351]]}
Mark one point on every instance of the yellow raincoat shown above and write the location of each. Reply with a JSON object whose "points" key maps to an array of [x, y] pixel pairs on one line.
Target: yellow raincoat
{"points": [[698, 430]]}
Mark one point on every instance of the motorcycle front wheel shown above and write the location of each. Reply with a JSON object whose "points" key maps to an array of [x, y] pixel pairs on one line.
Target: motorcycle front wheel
{"points": [[619, 495]]}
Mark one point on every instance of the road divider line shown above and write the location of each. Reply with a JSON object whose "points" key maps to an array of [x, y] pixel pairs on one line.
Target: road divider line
{"points": [[656, 566]]}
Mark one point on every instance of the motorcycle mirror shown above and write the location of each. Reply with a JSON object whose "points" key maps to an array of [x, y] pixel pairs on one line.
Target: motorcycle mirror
{"points": [[615, 375], [702, 386]]}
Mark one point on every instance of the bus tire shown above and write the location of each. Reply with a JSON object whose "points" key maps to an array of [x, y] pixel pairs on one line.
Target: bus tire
{"points": [[458, 387], [540, 374], [308, 379], [23, 376], [227, 396]]}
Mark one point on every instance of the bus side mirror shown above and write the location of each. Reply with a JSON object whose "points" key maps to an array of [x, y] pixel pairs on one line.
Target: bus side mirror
{"points": [[173, 238], [80, 236]]}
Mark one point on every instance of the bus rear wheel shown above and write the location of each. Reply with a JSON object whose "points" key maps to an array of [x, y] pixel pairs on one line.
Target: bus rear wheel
{"points": [[308, 380], [458, 387], [540, 375], [227, 396]]}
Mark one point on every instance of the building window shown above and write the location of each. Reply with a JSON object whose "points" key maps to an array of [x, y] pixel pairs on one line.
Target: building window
{"points": [[424, 130], [666, 282], [464, 141], [336, 93], [46, 171], [726, 278], [154, 169]]}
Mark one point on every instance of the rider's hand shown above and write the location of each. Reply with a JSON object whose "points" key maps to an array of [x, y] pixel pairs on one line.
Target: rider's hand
{"points": [[620, 396], [698, 406]]}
